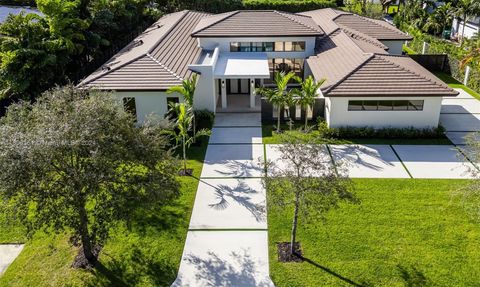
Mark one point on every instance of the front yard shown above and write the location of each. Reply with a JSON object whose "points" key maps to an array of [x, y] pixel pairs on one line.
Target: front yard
{"points": [[405, 232], [148, 255]]}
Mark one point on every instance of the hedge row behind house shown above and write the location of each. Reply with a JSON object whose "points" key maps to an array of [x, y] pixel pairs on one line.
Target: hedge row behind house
{"points": [[290, 5]]}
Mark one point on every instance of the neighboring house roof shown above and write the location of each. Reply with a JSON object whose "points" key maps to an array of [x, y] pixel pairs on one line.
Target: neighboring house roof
{"points": [[349, 71], [256, 23], [156, 60], [331, 20]]}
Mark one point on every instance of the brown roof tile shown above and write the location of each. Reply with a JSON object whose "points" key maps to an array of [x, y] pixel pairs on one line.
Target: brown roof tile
{"points": [[157, 59], [377, 29], [256, 23]]}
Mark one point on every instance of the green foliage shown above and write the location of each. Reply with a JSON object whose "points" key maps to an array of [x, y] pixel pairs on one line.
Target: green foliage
{"points": [[288, 5], [307, 94], [365, 8], [410, 225], [204, 119], [382, 133], [76, 161]]}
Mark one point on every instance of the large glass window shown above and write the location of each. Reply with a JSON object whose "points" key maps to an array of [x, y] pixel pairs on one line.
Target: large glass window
{"points": [[130, 106], [298, 46], [385, 105]]}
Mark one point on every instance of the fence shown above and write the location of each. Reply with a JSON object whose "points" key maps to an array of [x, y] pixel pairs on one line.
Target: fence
{"points": [[431, 55]]}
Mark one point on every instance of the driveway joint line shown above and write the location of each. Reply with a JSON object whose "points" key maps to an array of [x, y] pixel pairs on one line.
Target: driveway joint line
{"points": [[401, 161]]}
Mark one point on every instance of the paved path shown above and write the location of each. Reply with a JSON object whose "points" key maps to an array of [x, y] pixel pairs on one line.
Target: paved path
{"points": [[8, 253], [460, 116], [227, 242], [396, 161]]}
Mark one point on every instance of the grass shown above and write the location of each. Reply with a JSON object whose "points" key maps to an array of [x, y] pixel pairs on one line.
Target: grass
{"points": [[271, 137], [453, 83], [147, 255], [392, 9], [405, 232]]}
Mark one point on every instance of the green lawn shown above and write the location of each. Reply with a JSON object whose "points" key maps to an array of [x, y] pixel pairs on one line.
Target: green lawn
{"points": [[147, 255], [271, 137], [453, 83], [405, 232]]}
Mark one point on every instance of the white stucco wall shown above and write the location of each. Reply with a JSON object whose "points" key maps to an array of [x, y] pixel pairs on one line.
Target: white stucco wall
{"points": [[224, 45], [470, 29], [337, 114], [394, 47], [147, 102]]}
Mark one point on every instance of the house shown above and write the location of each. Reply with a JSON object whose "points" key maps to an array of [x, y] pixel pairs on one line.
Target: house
{"points": [[368, 81], [472, 27]]}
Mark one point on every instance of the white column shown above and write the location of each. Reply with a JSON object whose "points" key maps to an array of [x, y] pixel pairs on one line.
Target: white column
{"points": [[224, 93], [252, 93]]}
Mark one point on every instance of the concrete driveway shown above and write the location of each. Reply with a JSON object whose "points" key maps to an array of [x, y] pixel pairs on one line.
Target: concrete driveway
{"points": [[460, 116], [8, 253]]}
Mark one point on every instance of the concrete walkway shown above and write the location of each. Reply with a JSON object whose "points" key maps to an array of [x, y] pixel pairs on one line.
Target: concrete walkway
{"points": [[227, 242], [460, 116], [8, 253]]}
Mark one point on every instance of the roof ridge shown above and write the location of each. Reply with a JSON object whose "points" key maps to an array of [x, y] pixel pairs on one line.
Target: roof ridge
{"points": [[441, 84], [363, 36], [228, 15], [371, 56], [185, 12], [163, 66], [281, 13]]}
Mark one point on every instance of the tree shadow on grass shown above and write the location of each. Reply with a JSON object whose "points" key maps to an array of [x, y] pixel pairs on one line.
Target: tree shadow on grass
{"points": [[412, 277], [335, 274], [132, 269]]}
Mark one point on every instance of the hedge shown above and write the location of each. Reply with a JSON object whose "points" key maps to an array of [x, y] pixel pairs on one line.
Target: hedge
{"points": [[290, 5]]}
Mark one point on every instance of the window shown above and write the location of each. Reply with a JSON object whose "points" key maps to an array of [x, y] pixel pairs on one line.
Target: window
{"points": [[171, 100], [234, 46], [268, 46], [288, 46], [298, 46], [279, 47], [257, 47], [386, 105], [130, 106], [245, 47], [285, 65]]}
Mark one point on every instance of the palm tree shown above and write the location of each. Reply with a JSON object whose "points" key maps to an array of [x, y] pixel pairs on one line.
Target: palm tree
{"points": [[439, 19], [183, 126], [279, 95], [465, 9], [307, 94], [187, 90]]}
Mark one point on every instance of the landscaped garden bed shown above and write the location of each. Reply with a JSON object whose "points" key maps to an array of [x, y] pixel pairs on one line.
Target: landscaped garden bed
{"points": [[404, 232]]}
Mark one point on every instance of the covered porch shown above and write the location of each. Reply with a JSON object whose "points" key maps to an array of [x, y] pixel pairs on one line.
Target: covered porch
{"points": [[237, 75]]}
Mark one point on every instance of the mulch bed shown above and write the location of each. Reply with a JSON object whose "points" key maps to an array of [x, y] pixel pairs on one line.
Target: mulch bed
{"points": [[81, 262], [284, 254]]}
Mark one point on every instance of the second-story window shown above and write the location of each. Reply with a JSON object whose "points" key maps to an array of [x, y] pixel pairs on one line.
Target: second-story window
{"points": [[298, 46]]}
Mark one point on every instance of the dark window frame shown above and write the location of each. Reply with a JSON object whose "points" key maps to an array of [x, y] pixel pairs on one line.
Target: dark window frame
{"points": [[130, 105], [401, 105]]}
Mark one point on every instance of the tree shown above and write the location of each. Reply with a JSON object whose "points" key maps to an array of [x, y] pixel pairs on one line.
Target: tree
{"points": [[304, 177], [307, 95], [279, 95], [439, 19], [187, 90], [470, 197], [473, 51], [466, 9], [76, 161], [183, 124]]}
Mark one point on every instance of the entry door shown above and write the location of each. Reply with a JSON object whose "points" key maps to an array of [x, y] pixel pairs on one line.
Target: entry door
{"points": [[244, 86], [238, 86]]}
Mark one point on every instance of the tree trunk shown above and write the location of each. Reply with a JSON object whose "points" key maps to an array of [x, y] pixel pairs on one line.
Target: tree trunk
{"points": [[306, 118], [278, 118], [194, 126], [294, 226], [84, 234], [184, 156]]}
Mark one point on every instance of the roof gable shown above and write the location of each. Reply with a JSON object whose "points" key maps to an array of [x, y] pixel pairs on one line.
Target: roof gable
{"points": [[256, 23]]}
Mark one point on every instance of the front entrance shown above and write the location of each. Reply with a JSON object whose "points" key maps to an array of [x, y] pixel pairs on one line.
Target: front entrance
{"points": [[238, 86]]}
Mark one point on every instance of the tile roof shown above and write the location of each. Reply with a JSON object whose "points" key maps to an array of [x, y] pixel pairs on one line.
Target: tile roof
{"points": [[156, 60], [331, 20], [350, 71], [256, 23], [377, 29]]}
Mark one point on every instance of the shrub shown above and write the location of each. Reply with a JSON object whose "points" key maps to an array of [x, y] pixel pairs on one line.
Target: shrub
{"points": [[204, 119], [290, 5], [382, 133]]}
